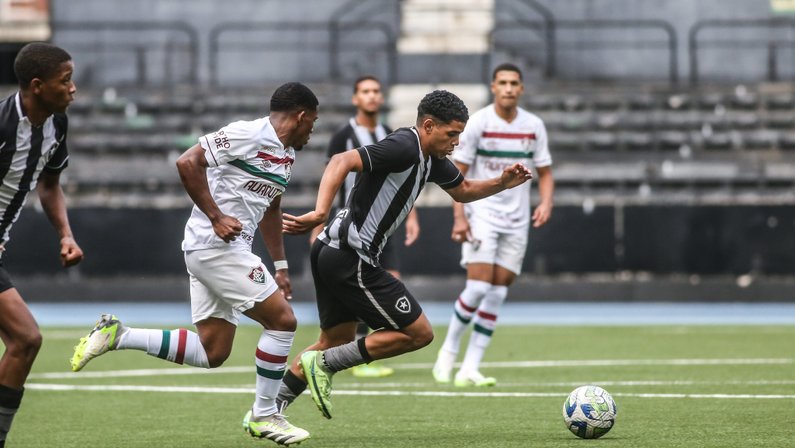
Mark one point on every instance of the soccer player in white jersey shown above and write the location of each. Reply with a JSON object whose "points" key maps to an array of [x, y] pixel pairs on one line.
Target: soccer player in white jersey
{"points": [[493, 231], [236, 177], [33, 154]]}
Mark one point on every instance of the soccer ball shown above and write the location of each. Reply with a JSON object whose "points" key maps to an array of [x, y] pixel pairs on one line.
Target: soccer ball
{"points": [[589, 412]]}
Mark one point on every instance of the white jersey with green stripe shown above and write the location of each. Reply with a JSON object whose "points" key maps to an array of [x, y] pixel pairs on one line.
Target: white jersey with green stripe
{"points": [[488, 145], [249, 167]]}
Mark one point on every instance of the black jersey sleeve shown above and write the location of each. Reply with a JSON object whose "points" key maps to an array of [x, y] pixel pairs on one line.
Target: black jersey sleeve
{"points": [[60, 158], [445, 174], [339, 141], [395, 153]]}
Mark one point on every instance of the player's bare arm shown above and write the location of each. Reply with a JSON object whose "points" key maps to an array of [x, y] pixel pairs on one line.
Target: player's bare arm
{"points": [[412, 227], [461, 230], [471, 190], [546, 188], [52, 201], [192, 167], [338, 167], [270, 227]]}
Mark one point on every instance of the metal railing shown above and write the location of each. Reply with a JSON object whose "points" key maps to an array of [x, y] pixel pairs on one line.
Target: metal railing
{"points": [[553, 46], [137, 48], [694, 44], [333, 32]]}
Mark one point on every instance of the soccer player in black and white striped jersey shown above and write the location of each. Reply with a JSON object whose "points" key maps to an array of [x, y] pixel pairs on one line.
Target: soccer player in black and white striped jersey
{"points": [[32, 155], [350, 283]]}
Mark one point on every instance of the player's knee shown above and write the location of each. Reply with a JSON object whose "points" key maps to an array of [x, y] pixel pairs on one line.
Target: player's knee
{"points": [[286, 321], [422, 337], [27, 344], [217, 358]]}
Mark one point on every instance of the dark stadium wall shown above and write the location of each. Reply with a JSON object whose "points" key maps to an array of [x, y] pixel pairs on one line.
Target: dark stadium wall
{"points": [[705, 240], [582, 53]]}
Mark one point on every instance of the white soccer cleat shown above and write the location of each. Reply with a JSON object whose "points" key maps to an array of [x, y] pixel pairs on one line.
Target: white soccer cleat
{"points": [[274, 427], [473, 378], [101, 339], [443, 369]]}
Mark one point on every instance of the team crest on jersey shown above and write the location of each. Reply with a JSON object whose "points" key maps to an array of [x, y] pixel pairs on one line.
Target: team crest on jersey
{"points": [[257, 275], [403, 305]]}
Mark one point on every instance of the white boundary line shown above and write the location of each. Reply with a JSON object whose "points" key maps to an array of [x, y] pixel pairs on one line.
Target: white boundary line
{"points": [[420, 366], [371, 393]]}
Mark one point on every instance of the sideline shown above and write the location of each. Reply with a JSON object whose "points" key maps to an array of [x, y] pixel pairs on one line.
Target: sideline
{"points": [[379, 393], [512, 313], [420, 366]]}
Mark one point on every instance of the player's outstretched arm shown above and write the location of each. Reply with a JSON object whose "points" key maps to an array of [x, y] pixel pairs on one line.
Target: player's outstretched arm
{"points": [[192, 167], [52, 201], [338, 167], [471, 190]]}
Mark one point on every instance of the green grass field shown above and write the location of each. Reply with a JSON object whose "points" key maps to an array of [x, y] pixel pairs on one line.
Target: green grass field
{"points": [[676, 386]]}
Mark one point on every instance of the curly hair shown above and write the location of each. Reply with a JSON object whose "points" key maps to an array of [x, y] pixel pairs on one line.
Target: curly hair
{"points": [[443, 106], [293, 96], [38, 60]]}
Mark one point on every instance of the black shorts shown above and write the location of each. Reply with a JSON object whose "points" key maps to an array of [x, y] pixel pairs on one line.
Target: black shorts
{"points": [[389, 258], [5, 279], [348, 289]]}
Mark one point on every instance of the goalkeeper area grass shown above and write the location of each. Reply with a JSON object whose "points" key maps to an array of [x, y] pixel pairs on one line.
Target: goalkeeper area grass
{"points": [[675, 386]]}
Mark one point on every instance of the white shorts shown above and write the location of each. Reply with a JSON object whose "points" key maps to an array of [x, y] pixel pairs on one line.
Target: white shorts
{"points": [[492, 246], [226, 282]]}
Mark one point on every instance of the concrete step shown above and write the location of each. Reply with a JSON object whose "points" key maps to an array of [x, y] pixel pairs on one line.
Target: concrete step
{"points": [[404, 98], [426, 43]]}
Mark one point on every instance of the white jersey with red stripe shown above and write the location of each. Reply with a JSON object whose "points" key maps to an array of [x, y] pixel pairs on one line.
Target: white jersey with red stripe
{"points": [[249, 167], [488, 145]]}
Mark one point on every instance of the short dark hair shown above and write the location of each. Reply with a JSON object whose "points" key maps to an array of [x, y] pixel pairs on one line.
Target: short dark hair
{"points": [[442, 106], [361, 79], [38, 60], [293, 96], [506, 67]]}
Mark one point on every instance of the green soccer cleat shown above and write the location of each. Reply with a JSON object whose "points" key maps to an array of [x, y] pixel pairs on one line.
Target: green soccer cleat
{"points": [[473, 378], [372, 370], [274, 427], [318, 379], [102, 338]]}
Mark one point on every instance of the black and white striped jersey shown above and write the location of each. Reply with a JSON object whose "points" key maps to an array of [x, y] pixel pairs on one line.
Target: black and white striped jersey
{"points": [[26, 151], [350, 136], [393, 175]]}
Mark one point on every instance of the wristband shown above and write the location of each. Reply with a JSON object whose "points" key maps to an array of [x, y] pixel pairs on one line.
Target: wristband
{"points": [[280, 264]]}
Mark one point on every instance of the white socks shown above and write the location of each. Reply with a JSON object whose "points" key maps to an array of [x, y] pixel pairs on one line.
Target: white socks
{"points": [[179, 346], [484, 324], [271, 359], [464, 308]]}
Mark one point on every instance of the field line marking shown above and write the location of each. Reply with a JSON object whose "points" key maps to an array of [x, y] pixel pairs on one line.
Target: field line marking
{"points": [[380, 393], [493, 365]]}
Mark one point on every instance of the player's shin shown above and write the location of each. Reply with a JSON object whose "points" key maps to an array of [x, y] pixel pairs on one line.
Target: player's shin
{"points": [[180, 346], [464, 308], [9, 403], [271, 362], [484, 324]]}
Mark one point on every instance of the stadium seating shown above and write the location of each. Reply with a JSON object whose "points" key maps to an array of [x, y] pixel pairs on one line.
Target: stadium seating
{"points": [[606, 138]]}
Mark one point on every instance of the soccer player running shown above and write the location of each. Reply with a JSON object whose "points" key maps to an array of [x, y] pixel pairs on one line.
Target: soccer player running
{"points": [[236, 177], [361, 130], [493, 231], [32, 155], [349, 281]]}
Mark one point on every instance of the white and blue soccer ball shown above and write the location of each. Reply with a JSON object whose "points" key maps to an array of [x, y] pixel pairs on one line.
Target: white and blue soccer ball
{"points": [[589, 412]]}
